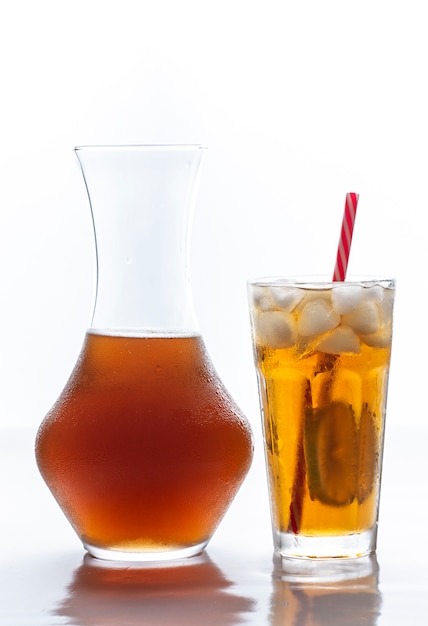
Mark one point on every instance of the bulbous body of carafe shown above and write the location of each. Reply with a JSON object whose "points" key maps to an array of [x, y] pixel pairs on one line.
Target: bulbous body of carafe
{"points": [[145, 449]]}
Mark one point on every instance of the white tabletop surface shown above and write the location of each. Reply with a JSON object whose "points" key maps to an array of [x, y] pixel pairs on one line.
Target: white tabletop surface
{"points": [[46, 579]]}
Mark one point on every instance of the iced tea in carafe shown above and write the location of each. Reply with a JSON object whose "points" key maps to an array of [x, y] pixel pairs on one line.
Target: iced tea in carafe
{"points": [[145, 449]]}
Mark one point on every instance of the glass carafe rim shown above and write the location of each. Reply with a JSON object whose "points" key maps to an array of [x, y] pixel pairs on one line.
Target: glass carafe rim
{"points": [[142, 147]]}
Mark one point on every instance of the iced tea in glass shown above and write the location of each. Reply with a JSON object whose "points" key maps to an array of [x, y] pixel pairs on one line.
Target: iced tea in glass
{"points": [[322, 353]]}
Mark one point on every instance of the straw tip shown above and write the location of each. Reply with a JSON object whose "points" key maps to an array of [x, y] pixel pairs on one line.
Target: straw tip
{"points": [[345, 240]]}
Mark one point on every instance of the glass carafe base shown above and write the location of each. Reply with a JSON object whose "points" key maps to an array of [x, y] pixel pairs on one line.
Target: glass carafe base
{"points": [[113, 554]]}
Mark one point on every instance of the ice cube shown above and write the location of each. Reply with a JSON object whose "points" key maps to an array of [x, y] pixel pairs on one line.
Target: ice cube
{"points": [[386, 305], [363, 320], [380, 339], [276, 329], [375, 385], [286, 298], [347, 298], [317, 317], [375, 293], [262, 298], [287, 391], [342, 339], [347, 387]]}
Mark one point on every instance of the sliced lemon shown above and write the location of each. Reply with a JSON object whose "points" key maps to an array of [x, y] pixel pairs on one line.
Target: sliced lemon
{"points": [[330, 450]]}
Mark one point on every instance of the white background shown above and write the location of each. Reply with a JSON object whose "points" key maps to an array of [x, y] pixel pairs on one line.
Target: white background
{"points": [[297, 102]]}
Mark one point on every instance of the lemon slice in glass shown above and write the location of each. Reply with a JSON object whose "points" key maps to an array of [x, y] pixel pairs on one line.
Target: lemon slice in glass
{"points": [[331, 441]]}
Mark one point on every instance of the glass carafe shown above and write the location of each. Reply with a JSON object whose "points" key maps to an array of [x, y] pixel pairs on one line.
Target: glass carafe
{"points": [[144, 450]]}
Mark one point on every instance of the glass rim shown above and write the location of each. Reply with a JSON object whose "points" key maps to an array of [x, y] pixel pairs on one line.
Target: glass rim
{"points": [[320, 281]]}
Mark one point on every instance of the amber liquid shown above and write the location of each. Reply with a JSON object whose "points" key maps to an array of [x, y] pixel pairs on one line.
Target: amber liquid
{"points": [[323, 423], [144, 450]]}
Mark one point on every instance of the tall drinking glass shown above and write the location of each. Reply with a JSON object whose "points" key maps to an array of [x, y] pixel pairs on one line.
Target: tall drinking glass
{"points": [[322, 354]]}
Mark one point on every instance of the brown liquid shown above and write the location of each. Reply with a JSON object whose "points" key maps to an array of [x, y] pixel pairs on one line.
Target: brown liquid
{"points": [[323, 393], [144, 450], [337, 417]]}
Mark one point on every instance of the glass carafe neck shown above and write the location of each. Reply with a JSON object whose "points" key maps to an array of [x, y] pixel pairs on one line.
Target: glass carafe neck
{"points": [[142, 200]]}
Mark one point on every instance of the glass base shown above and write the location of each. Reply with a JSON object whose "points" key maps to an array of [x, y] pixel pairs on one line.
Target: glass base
{"points": [[325, 571], [111, 554], [352, 546]]}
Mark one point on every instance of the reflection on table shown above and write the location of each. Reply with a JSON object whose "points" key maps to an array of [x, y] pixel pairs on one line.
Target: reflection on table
{"points": [[325, 592], [196, 591], [190, 592]]}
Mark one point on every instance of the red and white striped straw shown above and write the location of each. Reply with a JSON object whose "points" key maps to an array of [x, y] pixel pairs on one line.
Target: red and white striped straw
{"points": [[345, 240]]}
